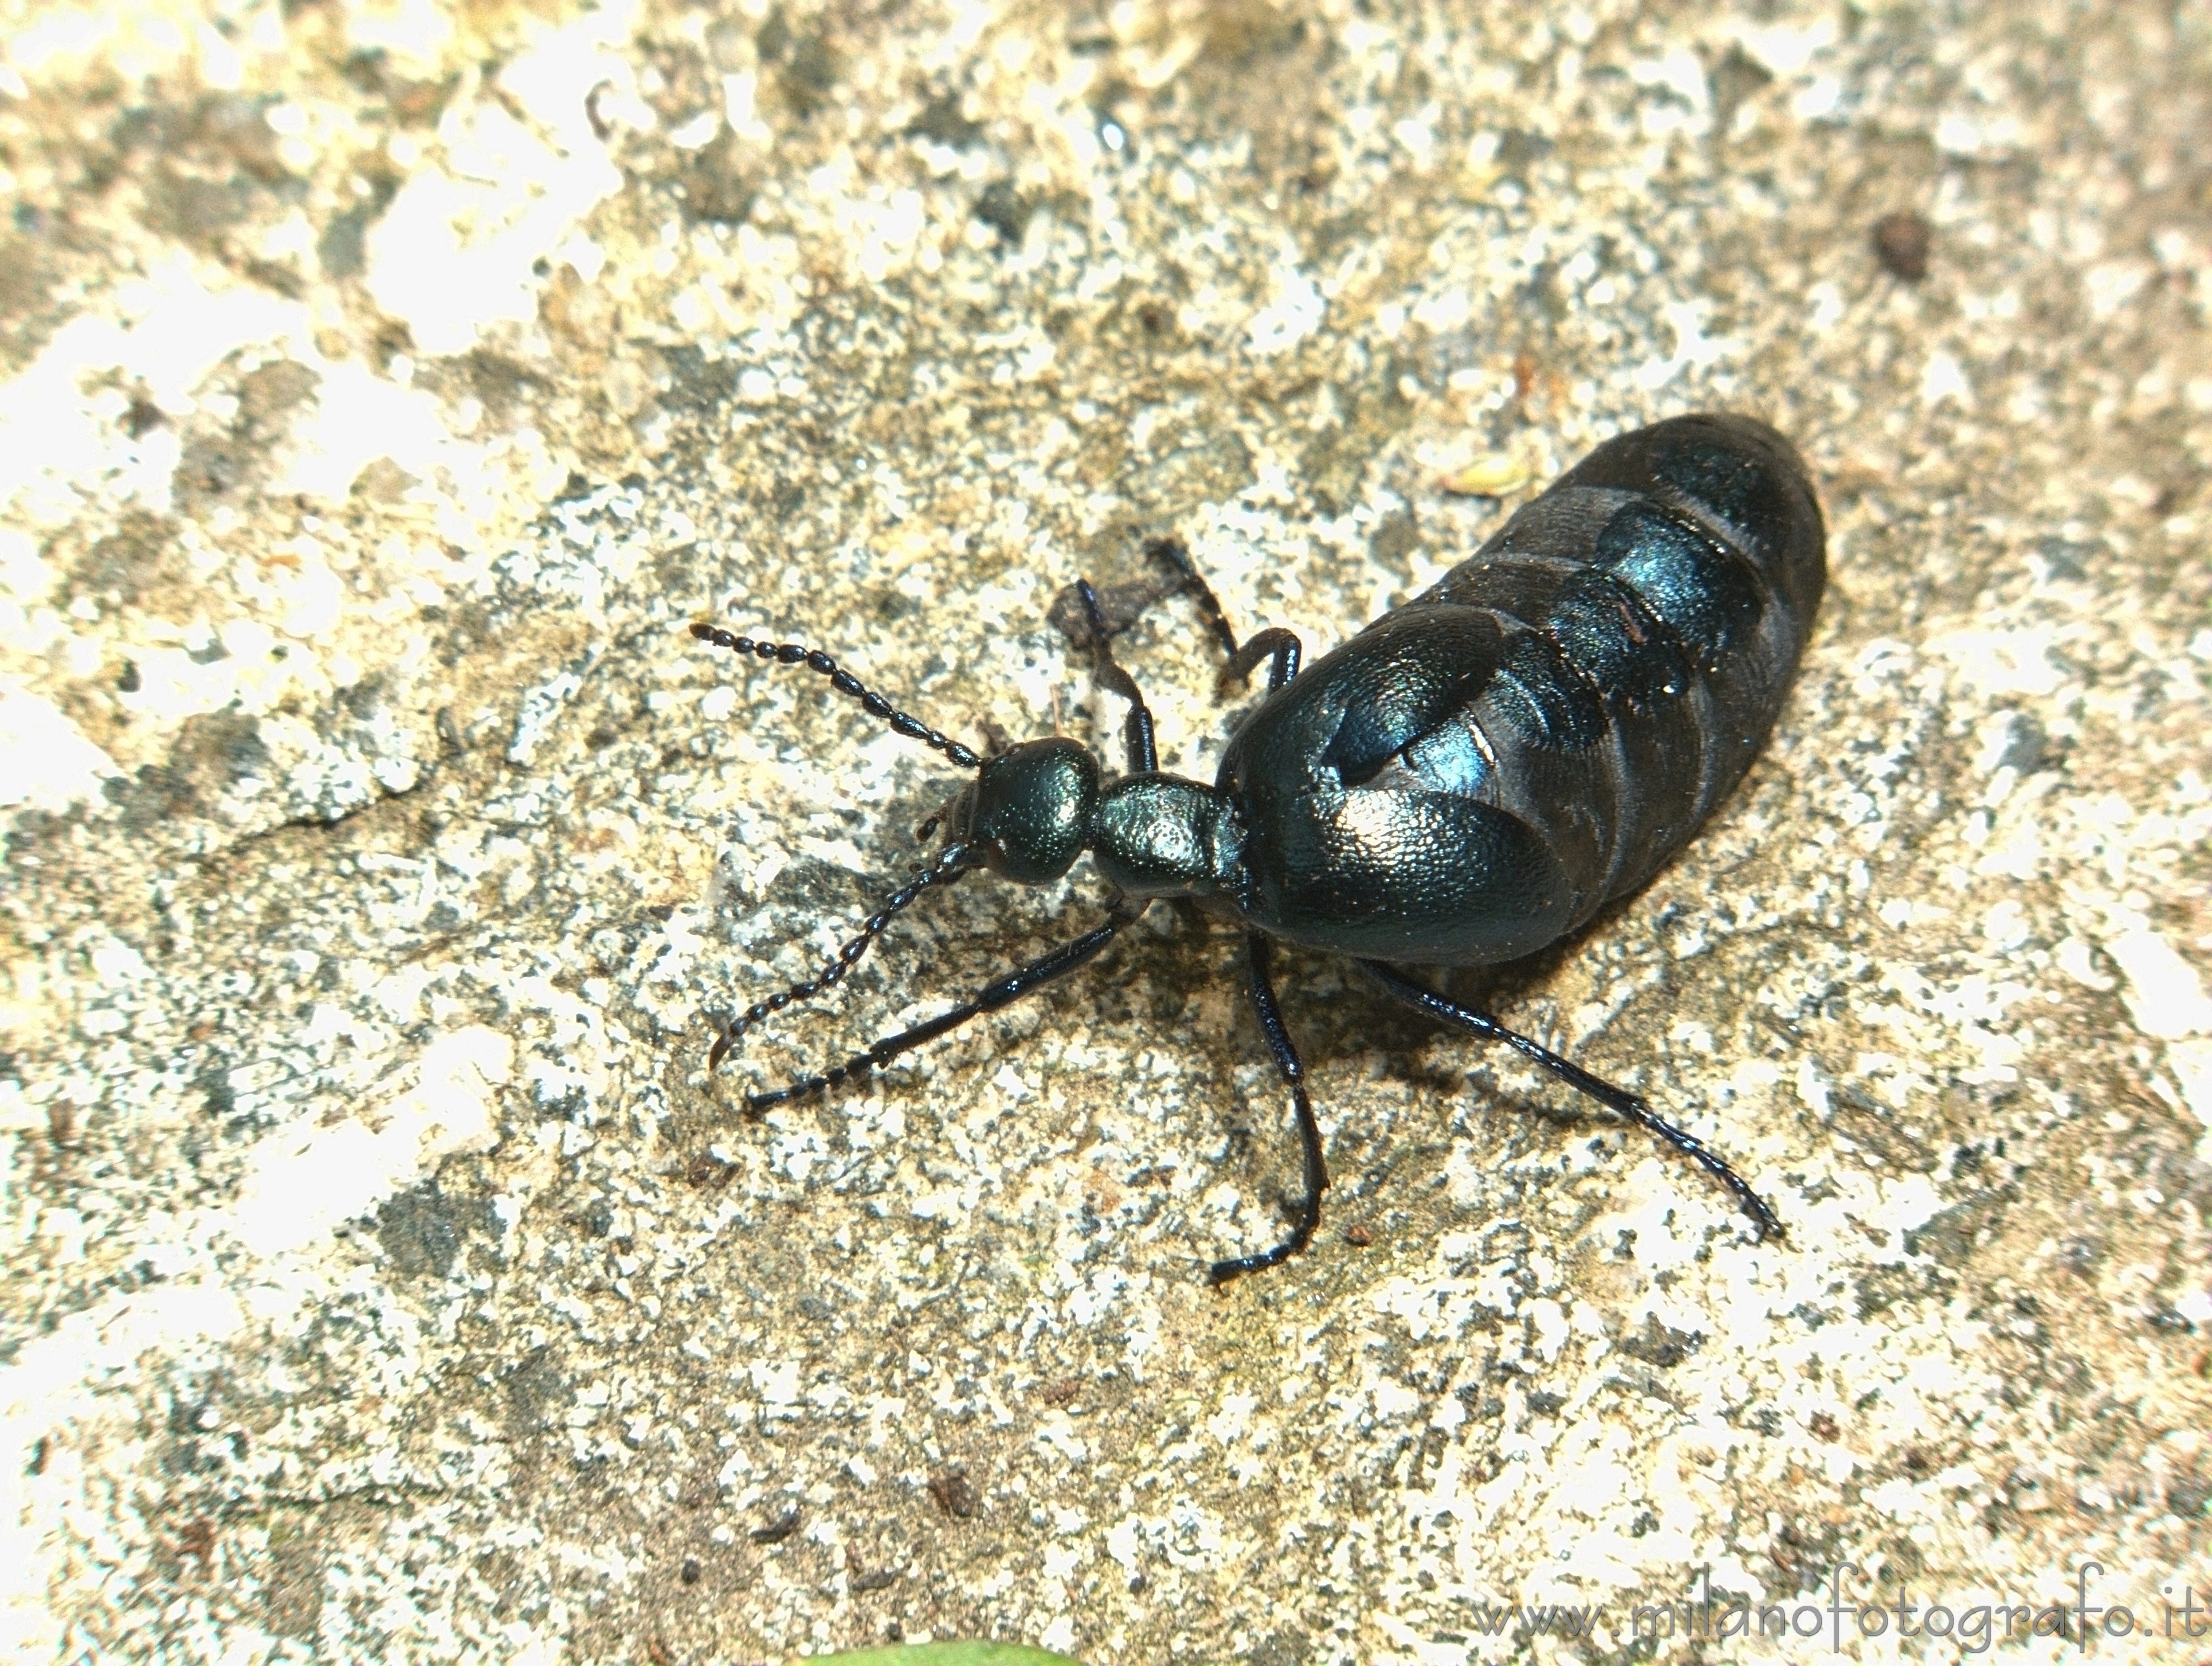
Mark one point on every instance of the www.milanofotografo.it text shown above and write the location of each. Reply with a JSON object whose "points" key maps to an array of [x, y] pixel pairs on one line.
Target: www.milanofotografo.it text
{"points": [[1851, 1609]]}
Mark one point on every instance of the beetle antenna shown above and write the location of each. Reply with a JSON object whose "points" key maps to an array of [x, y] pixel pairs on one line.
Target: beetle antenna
{"points": [[951, 863], [797, 654]]}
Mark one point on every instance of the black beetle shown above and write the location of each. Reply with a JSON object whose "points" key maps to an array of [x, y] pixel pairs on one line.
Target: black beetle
{"points": [[1471, 778]]}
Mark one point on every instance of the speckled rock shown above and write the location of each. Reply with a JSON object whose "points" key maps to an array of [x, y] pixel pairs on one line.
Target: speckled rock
{"points": [[385, 387]]}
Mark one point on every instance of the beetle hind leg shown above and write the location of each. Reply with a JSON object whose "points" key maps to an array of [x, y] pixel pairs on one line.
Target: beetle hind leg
{"points": [[1293, 1074], [1422, 999]]}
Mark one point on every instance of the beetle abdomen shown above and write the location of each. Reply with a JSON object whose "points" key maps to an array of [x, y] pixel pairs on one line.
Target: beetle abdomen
{"points": [[1594, 679], [1671, 577]]}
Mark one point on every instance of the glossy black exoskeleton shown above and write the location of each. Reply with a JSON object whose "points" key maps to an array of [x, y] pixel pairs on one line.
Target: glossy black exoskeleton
{"points": [[1469, 779]]}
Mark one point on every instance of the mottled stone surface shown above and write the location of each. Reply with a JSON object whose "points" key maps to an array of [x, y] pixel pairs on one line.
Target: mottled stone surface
{"points": [[385, 387]]}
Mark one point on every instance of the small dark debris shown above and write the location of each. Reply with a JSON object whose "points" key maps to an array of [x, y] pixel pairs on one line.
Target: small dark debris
{"points": [[1357, 1235], [1396, 536], [1737, 78], [882, 1578], [942, 122], [197, 1541], [1660, 1345], [537, 1396], [2188, 1497], [191, 210], [342, 248], [1823, 1426], [1900, 243], [1157, 317], [954, 1495], [129, 682], [777, 1530], [772, 38], [707, 1169], [1545, 1403], [270, 391], [421, 1231], [688, 1573], [810, 71], [1062, 1392], [1006, 210], [717, 186]]}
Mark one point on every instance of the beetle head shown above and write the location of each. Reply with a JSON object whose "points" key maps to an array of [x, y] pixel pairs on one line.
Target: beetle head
{"points": [[1028, 813]]}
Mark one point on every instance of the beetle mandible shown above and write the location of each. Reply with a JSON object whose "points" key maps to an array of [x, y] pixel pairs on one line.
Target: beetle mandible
{"points": [[1467, 780]]}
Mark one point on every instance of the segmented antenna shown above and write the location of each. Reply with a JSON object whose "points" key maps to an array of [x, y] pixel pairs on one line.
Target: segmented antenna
{"points": [[795, 654], [953, 861]]}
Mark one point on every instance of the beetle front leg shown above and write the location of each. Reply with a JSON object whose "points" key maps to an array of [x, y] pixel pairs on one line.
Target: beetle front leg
{"points": [[1276, 643], [1142, 751]]}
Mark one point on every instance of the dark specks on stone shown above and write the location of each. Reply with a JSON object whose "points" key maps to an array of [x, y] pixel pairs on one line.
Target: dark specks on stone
{"points": [[1006, 210], [342, 248], [538, 1395], [423, 1231], [942, 122], [1660, 1345], [1395, 536], [1901, 243], [775, 1532], [954, 1495]]}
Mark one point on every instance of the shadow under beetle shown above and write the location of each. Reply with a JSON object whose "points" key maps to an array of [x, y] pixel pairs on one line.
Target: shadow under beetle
{"points": [[1471, 778]]}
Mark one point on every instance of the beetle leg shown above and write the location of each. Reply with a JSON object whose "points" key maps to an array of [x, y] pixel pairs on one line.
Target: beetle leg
{"points": [[1293, 1073], [1173, 554], [1002, 991], [1277, 644], [1137, 733], [1424, 1000]]}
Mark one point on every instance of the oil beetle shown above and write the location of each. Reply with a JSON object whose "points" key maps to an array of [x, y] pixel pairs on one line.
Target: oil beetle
{"points": [[1468, 779]]}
